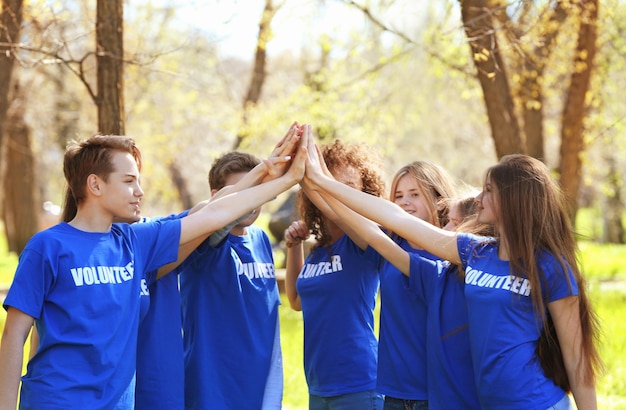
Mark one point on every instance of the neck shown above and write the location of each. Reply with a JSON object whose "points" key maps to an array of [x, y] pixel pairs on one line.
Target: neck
{"points": [[334, 231], [238, 231], [91, 224]]}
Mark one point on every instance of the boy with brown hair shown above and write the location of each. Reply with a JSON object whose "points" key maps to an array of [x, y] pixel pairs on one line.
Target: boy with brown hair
{"points": [[79, 281], [229, 300]]}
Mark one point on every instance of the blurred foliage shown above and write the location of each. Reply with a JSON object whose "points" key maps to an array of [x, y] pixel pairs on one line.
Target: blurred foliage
{"points": [[409, 96]]}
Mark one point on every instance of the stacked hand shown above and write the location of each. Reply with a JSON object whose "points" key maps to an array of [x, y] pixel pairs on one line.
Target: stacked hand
{"points": [[310, 162], [315, 165], [298, 146], [284, 151]]}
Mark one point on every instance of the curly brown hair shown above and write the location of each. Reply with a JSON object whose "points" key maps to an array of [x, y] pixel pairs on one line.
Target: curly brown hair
{"points": [[337, 156]]}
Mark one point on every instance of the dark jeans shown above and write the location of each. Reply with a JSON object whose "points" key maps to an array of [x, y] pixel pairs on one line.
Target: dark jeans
{"points": [[391, 403], [365, 400]]}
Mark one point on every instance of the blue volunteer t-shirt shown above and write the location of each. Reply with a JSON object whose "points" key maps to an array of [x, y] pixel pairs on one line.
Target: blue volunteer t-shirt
{"points": [[504, 328], [83, 289], [450, 372], [160, 379], [229, 301], [337, 287], [402, 339]]}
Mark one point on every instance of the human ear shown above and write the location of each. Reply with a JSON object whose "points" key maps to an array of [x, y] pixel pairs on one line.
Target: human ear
{"points": [[93, 184]]}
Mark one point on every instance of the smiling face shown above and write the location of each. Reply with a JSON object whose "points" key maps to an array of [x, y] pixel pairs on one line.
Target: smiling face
{"points": [[411, 199], [121, 193]]}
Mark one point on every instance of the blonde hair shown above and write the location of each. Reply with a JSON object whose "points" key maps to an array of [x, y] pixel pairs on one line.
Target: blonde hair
{"points": [[434, 183]]}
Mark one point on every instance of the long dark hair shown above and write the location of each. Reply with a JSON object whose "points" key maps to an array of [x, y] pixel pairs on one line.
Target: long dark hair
{"points": [[533, 220]]}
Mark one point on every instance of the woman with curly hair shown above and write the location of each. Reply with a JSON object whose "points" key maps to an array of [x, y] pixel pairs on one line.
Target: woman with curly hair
{"points": [[335, 288]]}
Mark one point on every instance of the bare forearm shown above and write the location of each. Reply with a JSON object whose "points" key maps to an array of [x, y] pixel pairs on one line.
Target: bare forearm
{"points": [[321, 204], [436, 241], [230, 207], [584, 396], [566, 317], [11, 365], [294, 263], [14, 336]]}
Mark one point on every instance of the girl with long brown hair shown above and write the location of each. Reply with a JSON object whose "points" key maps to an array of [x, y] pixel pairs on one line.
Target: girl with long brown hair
{"points": [[516, 283]]}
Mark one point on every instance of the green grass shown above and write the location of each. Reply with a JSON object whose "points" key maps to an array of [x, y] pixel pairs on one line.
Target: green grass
{"points": [[610, 305], [602, 262], [291, 332], [590, 224]]}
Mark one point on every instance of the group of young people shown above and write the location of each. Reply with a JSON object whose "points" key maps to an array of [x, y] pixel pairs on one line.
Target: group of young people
{"points": [[483, 305]]}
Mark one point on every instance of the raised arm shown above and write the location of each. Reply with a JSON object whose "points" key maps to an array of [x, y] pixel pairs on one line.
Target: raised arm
{"points": [[370, 233], [435, 240], [229, 207], [273, 167], [363, 231]]}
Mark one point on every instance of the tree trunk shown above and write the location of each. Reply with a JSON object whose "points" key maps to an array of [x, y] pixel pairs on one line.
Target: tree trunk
{"points": [[531, 90], [258, 72], [575, 109], [181, 186], [479, 28], [22, 203], [613, 231], [110, 60], [10, 24]]}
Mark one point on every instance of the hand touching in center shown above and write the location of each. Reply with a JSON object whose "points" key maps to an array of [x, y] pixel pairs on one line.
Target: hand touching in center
{"points": [[284, 151], [315, 165], [296, 170]]}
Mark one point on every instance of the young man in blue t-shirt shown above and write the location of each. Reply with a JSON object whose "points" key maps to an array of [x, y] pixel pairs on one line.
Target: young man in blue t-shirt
{"points": [[79, 282], [229, 307]]}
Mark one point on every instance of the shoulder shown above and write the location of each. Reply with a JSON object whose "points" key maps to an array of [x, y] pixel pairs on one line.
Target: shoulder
{"points": [[169, 217], [60, 233], [551, 265], [467, 243]]}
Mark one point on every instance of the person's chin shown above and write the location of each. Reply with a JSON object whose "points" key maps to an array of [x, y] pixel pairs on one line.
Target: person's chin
{"points": [[136, 217]]}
